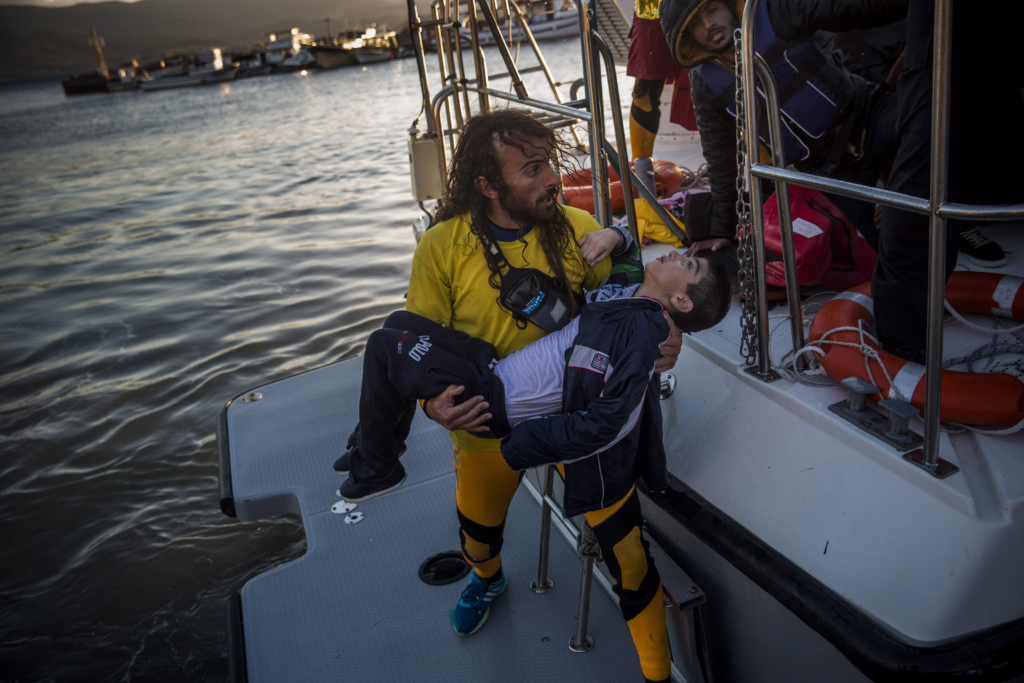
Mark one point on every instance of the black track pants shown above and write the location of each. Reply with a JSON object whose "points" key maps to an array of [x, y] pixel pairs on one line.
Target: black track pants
{"points": [[881, 140], [984, 159], [414, 358]]}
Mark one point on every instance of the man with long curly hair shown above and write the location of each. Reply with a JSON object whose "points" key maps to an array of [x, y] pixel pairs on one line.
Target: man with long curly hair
{"points": [[502, 190]]}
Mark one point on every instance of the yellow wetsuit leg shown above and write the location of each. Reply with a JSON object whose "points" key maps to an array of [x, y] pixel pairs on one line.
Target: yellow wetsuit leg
{"points": [[637, 583], [484, 486]]}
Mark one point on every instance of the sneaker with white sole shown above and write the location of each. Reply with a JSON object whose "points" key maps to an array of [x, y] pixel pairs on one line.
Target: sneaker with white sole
{"points": [[357, 492], [343, 465], [475, 604], [980, 249]]}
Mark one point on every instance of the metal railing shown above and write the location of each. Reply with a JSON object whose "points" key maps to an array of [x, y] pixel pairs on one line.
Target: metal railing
{"points": [[935, 207]]}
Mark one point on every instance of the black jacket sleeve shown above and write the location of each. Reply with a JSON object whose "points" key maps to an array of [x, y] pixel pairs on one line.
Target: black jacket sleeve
{"points": [[579, 434], [793, 19], [718, 138]]}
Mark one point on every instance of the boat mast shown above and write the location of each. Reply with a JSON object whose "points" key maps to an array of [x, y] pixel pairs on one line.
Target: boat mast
{"points": [[101, 63], [330, 36]]}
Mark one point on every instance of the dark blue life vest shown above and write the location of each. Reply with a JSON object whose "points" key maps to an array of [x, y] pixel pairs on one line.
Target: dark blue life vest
{"points": [[809, 91]]}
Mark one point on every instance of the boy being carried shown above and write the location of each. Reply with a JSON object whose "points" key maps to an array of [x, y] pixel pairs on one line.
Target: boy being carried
{"points": [[574, 398]]}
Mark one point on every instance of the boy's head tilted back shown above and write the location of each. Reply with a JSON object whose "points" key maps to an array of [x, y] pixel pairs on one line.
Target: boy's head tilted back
{"points": [[694, 291]]}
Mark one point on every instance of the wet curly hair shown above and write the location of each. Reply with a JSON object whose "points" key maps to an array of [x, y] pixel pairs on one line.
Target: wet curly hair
{"points": [[476, 155]]}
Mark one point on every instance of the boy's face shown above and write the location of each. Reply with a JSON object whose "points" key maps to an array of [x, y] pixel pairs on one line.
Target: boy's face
{"points": [[673, 273]]}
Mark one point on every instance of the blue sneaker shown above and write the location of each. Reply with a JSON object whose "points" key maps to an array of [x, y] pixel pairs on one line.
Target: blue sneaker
{"points": [[475, 604]]}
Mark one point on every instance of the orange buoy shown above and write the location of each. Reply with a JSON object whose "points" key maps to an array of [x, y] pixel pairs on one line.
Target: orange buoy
{"points": [[967, 397], [579, 189]]}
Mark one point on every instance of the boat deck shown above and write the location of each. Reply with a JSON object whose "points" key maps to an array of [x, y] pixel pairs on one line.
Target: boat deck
{"points": [[353, 607]]}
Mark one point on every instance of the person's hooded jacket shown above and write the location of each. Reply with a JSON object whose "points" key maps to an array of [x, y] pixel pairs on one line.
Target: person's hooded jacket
{"points": [[843, 96], [609, 432]]}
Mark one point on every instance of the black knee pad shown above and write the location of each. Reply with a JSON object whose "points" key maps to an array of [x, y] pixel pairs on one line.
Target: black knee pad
{"points": [[651, 89], [490, 537]]}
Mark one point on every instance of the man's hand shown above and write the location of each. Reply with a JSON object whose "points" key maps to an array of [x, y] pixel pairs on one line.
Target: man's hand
{"points": [[670, 349], [468, 416], [713, 245], [595, 246]]}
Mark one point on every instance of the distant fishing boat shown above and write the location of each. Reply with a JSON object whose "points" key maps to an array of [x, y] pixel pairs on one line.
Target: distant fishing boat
{"points": [[332, 56], [369, 48], [373, 55], [80, 84], [201, 76]]}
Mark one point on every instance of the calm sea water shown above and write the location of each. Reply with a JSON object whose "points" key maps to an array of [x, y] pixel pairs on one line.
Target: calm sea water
{"points": [[160, 253]]}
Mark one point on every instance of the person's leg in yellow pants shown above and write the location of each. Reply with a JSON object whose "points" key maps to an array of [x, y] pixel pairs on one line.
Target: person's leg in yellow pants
{"points": [[484, 486], [637, 583], [644, 116]]}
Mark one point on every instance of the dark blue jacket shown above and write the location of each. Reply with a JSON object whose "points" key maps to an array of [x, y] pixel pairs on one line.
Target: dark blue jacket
{"points": [[609, 432]]}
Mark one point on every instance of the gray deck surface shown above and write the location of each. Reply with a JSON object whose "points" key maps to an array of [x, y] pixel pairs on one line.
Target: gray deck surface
{"points": [[352, 608]]}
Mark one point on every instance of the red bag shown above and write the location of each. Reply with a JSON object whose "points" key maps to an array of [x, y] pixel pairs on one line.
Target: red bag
{"points": [[829, 251]]}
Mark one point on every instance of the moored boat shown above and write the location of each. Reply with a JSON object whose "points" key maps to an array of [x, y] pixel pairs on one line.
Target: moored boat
{"points": [[372, 55], [202, 76], [332, 56]]}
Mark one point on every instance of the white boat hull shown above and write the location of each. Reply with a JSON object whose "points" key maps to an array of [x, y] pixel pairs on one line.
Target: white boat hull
{"points": [[544, 27], [189, 80]]}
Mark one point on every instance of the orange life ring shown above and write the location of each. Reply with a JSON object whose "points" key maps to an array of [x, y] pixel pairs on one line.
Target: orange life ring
{"points": [[579, 189], [970, 398]]}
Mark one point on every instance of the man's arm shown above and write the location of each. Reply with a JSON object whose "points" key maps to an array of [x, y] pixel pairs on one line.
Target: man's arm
{"points": [[793, 19], [718, 140], [573, 436]]}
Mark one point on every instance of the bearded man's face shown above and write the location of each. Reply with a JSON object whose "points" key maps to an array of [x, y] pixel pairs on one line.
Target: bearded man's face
{"points": [[531, 184]]}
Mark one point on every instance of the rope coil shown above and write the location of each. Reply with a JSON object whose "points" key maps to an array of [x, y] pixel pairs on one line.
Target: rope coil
{"points": [[791, 372]]}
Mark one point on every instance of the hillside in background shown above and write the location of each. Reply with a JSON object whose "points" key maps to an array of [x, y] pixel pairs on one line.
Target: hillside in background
{"points": [[37, 41]]}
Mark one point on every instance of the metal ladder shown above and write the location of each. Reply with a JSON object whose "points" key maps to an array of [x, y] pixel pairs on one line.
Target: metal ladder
{"points": [[612, 25], [683, 598]]}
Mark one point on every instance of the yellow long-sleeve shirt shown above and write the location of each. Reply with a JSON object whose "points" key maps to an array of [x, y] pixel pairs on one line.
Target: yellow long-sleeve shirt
{"points": [[449, 285]]}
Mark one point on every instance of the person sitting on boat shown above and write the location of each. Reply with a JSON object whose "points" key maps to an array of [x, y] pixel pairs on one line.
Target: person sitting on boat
{"points": [[834, 122], [502, 185], [600, 368]]}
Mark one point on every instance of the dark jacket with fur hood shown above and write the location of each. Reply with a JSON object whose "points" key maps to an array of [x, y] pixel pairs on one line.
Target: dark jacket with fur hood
{"points": [[792, 20]]}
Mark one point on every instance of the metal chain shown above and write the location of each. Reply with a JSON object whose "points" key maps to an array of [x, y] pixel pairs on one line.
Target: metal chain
{"points": [[745, 251]]}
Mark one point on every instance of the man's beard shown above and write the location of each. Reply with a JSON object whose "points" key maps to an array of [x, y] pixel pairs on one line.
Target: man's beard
{"points": [[526, 212], [731, 45]]}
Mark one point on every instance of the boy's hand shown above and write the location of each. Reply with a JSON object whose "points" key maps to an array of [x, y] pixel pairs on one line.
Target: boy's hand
{"points": [[597, 245], [468, 416], [670, 349], [713, 245]]}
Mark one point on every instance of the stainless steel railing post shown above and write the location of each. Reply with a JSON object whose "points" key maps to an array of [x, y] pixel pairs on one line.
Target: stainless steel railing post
{"points": [[421, 62], [937, 224], [592, 85], [543, 584], [458, 54], [796, 317], [620, 135], [754, 186], [441, 39], [479, 62], [506, 56], [582, 642]]}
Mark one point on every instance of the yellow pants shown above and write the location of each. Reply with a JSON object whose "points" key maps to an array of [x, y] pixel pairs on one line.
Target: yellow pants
{"points": [[485, 485]]}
